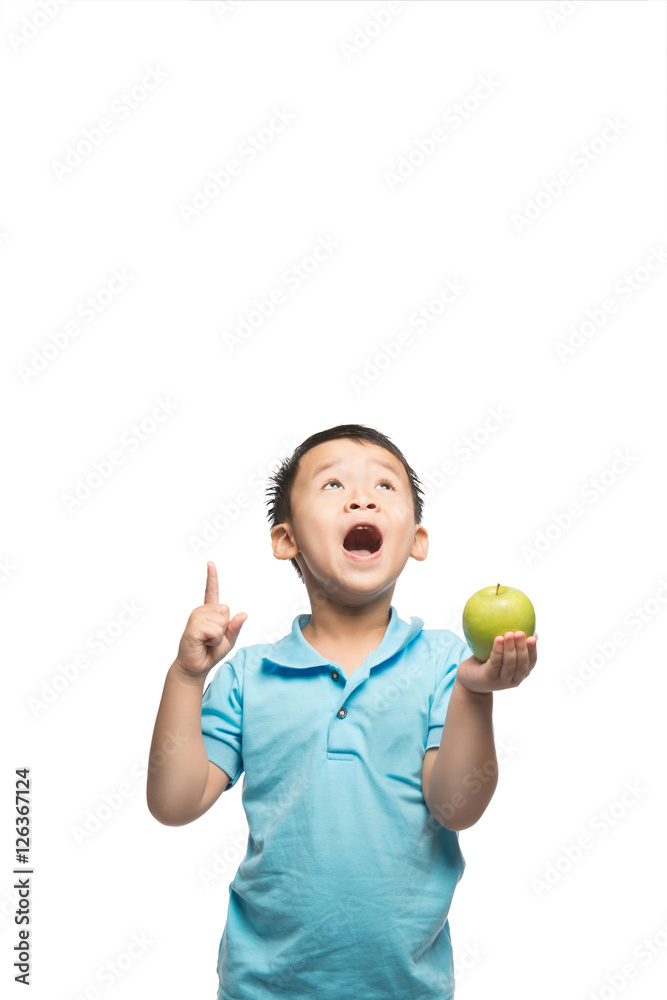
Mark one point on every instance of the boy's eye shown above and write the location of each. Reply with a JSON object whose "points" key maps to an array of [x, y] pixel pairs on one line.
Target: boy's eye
{"points": [[383, 482]]}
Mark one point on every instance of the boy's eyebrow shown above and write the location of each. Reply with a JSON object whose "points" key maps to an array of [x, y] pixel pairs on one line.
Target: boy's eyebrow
{"points": [[335, 461]]}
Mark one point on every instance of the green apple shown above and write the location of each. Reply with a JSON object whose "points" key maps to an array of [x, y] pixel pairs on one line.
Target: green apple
{"points": [[494, 611]]}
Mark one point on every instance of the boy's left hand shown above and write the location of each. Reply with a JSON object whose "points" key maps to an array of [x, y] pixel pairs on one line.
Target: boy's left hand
{"points": [[512, 658]]}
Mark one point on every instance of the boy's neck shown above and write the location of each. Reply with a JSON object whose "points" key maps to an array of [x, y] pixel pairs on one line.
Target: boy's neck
{"points": [[346, 626]]}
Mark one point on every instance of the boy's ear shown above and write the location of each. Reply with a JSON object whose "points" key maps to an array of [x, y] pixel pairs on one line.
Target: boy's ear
{"points": [[420, 544], [284, 546]]}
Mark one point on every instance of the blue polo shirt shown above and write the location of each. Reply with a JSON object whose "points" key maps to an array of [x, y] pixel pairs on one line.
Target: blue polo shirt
{"points": [[347, 881]]}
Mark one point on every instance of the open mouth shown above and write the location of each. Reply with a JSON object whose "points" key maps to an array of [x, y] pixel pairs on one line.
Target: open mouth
{"points": [[363, 541]]}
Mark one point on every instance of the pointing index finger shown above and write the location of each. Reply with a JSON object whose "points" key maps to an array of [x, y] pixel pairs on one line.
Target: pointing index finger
{"points": [[211, 593]]}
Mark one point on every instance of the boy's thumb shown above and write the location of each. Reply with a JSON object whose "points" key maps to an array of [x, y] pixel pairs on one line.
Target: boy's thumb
{"points": [[236, 623]]}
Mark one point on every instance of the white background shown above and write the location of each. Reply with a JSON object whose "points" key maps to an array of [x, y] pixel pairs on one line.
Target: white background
{"points": [[361, 95]]}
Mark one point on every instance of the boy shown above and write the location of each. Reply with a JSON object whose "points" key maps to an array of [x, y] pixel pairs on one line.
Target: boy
{"points": [[367, 744]]}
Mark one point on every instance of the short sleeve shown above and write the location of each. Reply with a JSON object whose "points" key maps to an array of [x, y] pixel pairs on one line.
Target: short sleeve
{"points": [[222, 717], [451, 652]]}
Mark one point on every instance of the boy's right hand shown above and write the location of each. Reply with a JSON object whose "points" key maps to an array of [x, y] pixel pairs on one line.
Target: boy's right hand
{"points": [[209, 634]]}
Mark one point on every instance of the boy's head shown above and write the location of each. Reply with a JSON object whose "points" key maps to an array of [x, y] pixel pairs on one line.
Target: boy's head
{"points": [[312, 509]]}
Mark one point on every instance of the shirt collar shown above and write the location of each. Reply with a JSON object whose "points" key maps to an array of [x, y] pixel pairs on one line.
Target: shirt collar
{"points": [[295, 651]]}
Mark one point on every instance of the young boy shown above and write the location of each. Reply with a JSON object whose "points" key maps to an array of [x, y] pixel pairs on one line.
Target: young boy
{"points": [[367, 744]]}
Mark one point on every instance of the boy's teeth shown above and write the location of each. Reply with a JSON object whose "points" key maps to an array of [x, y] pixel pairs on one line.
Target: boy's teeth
{"points": [[353, 540]]}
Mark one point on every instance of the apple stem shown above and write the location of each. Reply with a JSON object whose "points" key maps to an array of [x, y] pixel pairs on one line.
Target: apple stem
{"points": [[497, 589]]}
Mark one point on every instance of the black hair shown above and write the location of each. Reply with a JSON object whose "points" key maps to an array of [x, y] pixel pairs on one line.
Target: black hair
{"points": [[281, 482]]}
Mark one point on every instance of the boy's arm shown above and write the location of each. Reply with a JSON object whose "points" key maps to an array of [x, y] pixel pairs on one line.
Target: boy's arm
{"points": [[182, 783], [464, 771]]}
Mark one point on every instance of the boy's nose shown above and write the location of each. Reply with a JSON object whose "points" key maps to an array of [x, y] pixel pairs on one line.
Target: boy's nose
{"points": [[361, 501]]}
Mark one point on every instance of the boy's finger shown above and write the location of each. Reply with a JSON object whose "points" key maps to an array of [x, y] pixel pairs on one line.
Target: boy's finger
{"points": [[211, 592], [234, 626], [531, 643], [497, 653], [509, 655]]}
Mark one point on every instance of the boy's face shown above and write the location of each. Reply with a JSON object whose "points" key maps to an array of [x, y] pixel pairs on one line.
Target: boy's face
{"points": [[363, 483]]}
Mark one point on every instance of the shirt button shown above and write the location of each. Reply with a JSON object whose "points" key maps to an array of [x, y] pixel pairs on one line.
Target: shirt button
{"points": [[342, 712], [334, 675]]}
